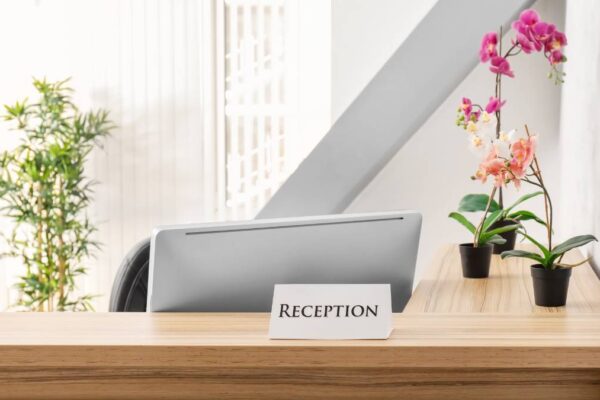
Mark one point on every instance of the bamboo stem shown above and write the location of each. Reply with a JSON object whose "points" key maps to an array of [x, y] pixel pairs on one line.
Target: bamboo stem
{"points": [[61, 245], [40, 239]]}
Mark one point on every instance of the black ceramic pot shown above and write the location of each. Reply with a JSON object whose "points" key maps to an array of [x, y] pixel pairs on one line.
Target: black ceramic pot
{"points": [[510, 236], [550, 287], [475, 260]]}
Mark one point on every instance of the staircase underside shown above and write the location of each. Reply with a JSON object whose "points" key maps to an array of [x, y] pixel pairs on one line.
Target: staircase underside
{"points": [[418, 77]]}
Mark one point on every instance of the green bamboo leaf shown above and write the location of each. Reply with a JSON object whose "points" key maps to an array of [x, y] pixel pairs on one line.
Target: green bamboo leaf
{"points": [[43, 174]]}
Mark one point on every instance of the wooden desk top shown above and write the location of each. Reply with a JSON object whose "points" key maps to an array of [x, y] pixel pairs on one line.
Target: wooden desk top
{"points": [[233, 340], [228, 356], [508, 289], [458, 339]]}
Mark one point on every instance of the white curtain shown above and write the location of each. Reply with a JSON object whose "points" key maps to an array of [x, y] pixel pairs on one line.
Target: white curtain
{"points": [[150, 63]]}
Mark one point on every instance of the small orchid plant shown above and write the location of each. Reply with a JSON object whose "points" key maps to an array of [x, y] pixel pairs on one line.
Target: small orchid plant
{"points": [[506, 158], [550, 257]]}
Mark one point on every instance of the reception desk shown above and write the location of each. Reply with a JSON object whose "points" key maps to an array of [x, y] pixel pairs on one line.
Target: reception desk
{"points": [[437, 350]]}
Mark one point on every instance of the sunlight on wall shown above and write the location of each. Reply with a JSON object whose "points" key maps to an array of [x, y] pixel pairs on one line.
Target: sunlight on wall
{"points": [[580, 124]]}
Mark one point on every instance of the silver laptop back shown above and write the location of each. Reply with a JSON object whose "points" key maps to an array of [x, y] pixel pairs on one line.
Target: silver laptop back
{"points": [[232, 267]]}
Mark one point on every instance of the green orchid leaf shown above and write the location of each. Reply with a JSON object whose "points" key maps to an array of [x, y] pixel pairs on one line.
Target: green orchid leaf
{"points": [[545, 251], [523, 199], [522, 254], [476, 202], [491, 219], [524, 215], [496, 239], [572, 243], [489, 234], [463, 221]]}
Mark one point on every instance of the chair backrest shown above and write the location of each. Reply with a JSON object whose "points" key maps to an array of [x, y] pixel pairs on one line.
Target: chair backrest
{"points": [[130, 287]]}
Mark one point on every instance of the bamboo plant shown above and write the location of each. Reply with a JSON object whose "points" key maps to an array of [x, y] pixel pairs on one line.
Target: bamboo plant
{"points": [[45, 193]]}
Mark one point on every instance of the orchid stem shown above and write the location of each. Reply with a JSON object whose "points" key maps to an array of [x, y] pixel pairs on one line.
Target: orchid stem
{"points": [[537, 172], [498, 115], [480, 226]]}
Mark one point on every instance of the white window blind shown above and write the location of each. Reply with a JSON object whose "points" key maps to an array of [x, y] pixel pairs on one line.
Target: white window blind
{"points": [[258, 101]]}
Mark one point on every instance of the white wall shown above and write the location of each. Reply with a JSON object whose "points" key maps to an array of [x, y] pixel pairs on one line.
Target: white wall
{"points": [[580, 123], [431, 172], [313, 77], [364, 34]]}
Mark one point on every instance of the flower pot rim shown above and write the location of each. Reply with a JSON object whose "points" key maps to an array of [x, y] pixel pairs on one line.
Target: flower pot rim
{"points": [[470, 244], [539, 267], [499, 221], [539, 272]]}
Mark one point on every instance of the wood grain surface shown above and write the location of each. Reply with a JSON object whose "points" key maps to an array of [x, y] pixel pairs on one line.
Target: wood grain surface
{"points": [[457, 339], [508, 289], [429, 356]]}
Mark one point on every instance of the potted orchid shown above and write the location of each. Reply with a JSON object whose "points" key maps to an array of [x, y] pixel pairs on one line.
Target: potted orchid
{"points": [[550, 274], [504, 169], [477, 255], [484, 123], [508, 215], [514, 160]]}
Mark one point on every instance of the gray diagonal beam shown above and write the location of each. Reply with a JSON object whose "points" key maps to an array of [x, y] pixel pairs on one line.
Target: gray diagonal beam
{"points": [[417, 78]]}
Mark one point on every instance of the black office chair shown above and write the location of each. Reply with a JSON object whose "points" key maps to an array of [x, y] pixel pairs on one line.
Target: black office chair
{"points": [[130, 288]]}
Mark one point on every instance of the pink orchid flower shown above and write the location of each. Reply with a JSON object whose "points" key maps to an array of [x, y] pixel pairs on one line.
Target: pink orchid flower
{"points": [[494, 105], [499, 65], [523, 152], [542, 33], [466, 105], [529, 17], [524, 26], [488, 46], [525, 44], [556, 57], [494, 166], [532, 33], [467, 108], [556, 42]]}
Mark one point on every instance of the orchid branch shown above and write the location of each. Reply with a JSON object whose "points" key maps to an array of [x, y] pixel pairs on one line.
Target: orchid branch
{"points": [[547, 200]]}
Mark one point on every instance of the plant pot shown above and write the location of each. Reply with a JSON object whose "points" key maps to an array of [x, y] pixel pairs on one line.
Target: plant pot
{"points": [[510, 236], [550, 287], [475, 260]]}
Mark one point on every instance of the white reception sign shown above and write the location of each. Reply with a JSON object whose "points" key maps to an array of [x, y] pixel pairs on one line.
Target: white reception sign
{"points": [[331, 312]]}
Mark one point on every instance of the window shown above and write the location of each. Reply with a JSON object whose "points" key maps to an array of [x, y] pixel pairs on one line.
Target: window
{"points": [[258, 99]]}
